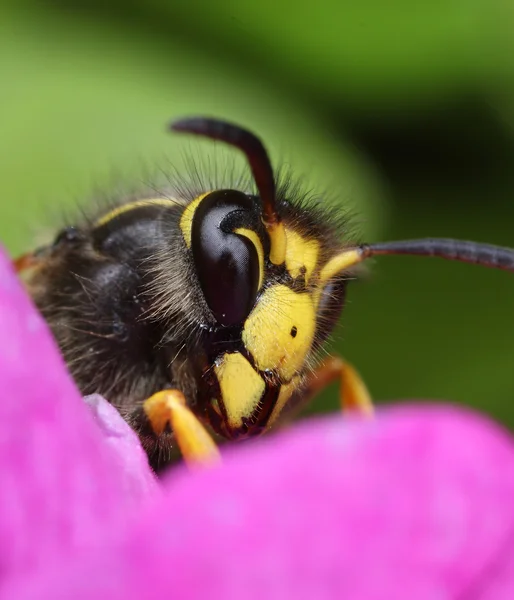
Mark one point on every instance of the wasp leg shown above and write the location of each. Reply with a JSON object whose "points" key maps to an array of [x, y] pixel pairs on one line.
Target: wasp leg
{"points": [[195, 443], [24, 262], [353, 393]]}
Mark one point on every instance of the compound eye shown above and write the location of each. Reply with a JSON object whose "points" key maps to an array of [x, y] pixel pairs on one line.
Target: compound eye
{"points": [[227, 251]]}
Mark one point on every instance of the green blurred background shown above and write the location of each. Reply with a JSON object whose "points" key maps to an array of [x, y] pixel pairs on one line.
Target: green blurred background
{"points": [[403, 111]]}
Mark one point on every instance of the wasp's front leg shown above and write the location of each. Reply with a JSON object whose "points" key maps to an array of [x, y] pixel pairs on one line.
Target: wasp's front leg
{"points": [[164, 422], [354, 396]]}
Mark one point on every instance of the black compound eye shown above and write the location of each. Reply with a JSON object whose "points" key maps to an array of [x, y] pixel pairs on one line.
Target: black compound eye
{"points": [[227, 263]]}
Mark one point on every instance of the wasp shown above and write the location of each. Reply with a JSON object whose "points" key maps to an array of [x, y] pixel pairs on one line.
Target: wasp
{"points": [[203, 316]]}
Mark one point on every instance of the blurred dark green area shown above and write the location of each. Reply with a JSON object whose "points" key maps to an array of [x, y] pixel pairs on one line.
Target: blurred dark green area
{"points": [[402, 111]]}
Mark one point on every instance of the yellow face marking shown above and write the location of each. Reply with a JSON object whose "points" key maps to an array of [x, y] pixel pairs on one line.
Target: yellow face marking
{"points": [[300, 253], [280, 330], [254, 238], [340, 262], [277, 235], [241, 387], [286, 391], [186, 220], [133, 205]]}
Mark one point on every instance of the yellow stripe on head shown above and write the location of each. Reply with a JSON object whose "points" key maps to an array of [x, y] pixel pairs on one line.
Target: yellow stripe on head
{"points": [[124, 208], [186, 221], [256, 241]]}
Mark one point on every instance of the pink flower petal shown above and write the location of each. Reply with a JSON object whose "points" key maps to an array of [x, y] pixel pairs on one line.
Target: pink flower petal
{"points": [[129, 459], [418, 504], [61, 481]]}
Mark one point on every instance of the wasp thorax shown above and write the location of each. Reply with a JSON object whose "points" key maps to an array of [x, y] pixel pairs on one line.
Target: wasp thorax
{"points": [[227, 247]]}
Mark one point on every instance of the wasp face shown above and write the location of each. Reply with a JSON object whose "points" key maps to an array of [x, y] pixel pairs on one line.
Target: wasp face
{"points": [[223, 297], [218, 300], [267, 316]]}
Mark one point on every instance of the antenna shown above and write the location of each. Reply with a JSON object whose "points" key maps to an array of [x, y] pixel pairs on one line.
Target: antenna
{"points": [[260, 164]]}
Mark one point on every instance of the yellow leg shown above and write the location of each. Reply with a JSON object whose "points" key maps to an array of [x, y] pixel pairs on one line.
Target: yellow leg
{"points": [[169, 406], [353, 393], [25, 262]]}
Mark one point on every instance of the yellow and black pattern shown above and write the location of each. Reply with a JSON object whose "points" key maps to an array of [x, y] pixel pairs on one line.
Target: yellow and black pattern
{"points": [[268, 354], [202, 307], [218, 294]]}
